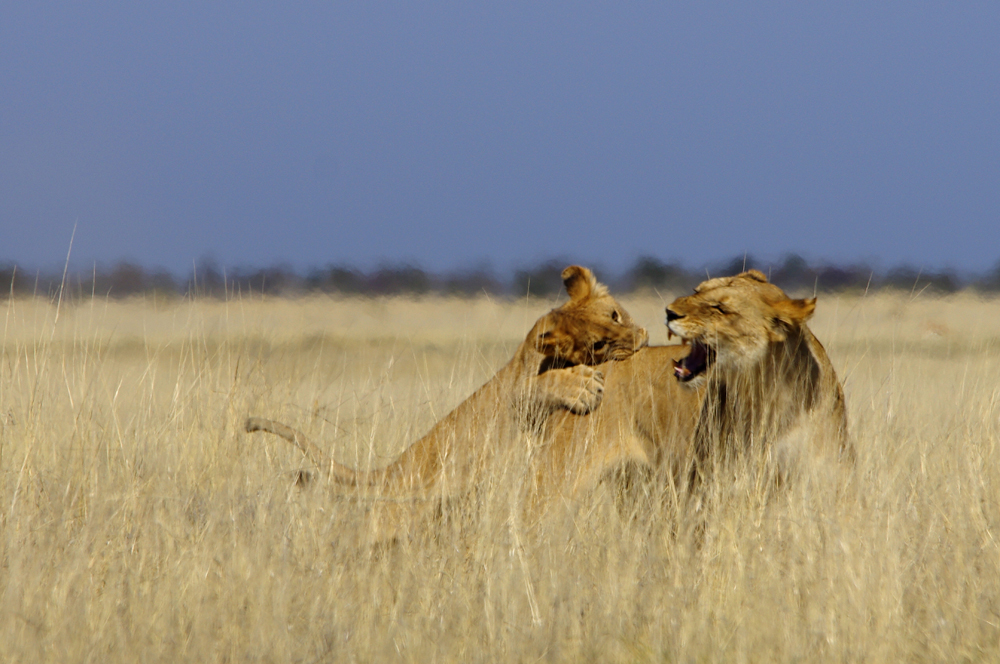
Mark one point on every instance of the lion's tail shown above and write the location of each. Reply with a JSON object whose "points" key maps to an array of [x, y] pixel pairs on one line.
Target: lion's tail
{"points": [[338, 472]]}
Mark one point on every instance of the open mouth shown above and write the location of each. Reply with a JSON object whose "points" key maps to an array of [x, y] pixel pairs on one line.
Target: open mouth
{"points": [[695, 363]]}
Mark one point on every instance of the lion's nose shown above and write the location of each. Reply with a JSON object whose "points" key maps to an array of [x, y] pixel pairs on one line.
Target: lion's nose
{"points": [[672, 315]]}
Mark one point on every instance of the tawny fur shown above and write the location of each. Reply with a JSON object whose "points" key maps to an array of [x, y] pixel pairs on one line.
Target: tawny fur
{"points": [[769, 387], [645, 425], [550, 371]]}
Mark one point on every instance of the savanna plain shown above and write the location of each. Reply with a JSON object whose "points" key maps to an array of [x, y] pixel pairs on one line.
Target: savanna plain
{"points": [[138, 522]]}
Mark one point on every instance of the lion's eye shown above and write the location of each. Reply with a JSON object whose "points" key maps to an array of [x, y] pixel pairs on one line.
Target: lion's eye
{"points": [[721, 309], [616, 317]]}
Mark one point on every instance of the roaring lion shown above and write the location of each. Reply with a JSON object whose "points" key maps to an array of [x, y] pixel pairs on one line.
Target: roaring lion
{"points": [[750, 377], [550, 371], [769, 385]]}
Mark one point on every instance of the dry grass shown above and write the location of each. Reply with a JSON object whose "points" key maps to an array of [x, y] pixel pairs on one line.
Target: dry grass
{"points": [[138, 523]]}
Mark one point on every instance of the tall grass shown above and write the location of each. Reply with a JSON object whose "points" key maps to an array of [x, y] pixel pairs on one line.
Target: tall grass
{"points": [[139, 523]]}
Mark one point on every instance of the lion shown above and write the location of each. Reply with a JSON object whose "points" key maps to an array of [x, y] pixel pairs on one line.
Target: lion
{"points": [[769, 385], [750, 376], [550, 371]]}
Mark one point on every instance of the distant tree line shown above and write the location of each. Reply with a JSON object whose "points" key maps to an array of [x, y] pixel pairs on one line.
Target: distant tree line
{"points": [[793, 273]]}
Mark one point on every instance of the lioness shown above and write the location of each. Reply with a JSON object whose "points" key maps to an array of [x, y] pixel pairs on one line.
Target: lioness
{"points": [[551, 370], [769, 385], [751, 377]]}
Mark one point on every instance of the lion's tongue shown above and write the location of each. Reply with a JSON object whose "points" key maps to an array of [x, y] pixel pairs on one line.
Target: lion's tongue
{"points": [[693, 363]]}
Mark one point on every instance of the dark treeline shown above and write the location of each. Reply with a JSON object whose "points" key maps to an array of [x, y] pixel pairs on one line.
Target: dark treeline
{"points": [[793, 273]]}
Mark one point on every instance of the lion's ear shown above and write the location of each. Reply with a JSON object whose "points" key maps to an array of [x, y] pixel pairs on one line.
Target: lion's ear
{"points": [[788, 315], [756, 275], [795, 312], [579, 281]]}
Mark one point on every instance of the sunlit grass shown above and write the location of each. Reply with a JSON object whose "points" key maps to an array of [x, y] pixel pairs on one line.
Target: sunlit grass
{"points": [[139, 523]]}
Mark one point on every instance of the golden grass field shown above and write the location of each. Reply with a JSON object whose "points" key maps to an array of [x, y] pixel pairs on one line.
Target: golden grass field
{"points": [[139, 523]]}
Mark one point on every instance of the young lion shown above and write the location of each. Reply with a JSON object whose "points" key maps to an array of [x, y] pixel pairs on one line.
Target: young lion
{"points": [[769, 385], [752, 376], [551, 370]]}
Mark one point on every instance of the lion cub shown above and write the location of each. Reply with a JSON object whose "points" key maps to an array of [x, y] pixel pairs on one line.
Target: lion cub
{"points": [[550, 371]]}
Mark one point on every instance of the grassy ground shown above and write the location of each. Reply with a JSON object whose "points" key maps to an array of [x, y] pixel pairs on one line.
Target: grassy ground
{"points": [[138, 522]]}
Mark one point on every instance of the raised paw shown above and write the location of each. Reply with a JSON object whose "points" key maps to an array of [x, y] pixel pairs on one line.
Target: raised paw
{"points": [[584, 389]]}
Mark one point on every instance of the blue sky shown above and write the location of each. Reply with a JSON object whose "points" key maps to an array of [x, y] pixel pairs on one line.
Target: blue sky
{"points": [[449, 134]]}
